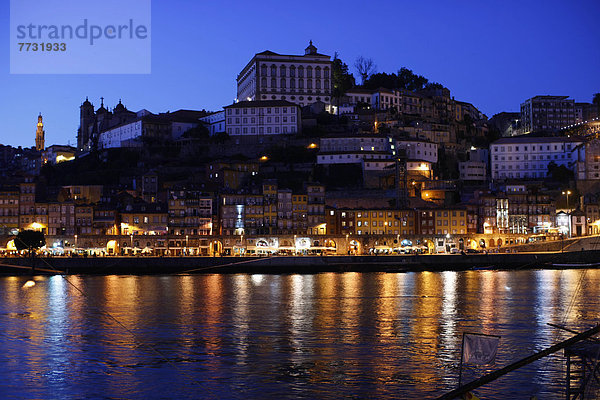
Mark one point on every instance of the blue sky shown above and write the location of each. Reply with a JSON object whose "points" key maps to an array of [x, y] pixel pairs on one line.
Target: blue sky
{"points": [[494, 54]]}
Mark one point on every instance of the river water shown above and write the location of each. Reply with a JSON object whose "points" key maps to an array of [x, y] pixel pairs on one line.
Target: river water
{"points": [[324, 336]]}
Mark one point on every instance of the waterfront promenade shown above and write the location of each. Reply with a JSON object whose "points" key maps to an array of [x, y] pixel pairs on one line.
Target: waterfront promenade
{"points": [[298, 264]]}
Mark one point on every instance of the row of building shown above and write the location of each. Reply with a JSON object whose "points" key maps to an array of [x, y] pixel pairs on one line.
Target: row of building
{"points": [[271, 209]]}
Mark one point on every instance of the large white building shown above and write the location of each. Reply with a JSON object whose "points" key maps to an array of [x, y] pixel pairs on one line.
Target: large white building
{"points": [[121, 136], [301, 79], [528, 157], [269, 117], [214, 122], [417, 149]]}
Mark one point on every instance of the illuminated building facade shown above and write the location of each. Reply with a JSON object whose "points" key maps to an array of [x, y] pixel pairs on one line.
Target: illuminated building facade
{"points": [[300, 79], [268, 117]]}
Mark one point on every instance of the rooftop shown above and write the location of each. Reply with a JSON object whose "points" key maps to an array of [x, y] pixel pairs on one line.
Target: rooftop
{"points": [[534, 139], [262, 103]]}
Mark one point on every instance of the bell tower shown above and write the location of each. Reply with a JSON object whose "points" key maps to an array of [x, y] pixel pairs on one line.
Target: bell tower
{"points": [[86, 118], [39, 135]]}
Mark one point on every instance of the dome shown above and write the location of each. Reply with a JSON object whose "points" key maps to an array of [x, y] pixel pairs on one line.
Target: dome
{"points": [[120, 107]]}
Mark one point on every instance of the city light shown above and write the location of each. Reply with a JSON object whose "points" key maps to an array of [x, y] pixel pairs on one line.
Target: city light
{"points": [[28, 284]]}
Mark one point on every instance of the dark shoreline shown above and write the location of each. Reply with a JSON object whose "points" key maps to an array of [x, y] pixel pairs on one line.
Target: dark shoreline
{"points": [[297, 265]]}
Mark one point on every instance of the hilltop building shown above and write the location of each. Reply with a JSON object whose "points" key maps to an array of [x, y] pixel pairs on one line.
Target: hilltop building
{"points": [[268, 117], [102, 129], [547, 113], [300, 79]]}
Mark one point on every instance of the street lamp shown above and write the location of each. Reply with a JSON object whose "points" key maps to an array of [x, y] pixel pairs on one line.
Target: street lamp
{"points": [[567, 193], [347, 248], [75, 241], [186, 245]]}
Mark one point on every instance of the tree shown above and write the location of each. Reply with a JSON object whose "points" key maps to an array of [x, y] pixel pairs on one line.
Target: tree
{"points": [[29, 240], [365, 67], [434, 85], [342, 80], [410, 81], [381, 79], [404, 79], [559, 173], [198, 132]]}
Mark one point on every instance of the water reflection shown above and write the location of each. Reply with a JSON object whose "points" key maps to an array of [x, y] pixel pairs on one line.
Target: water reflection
{"points": [[283, 336]]}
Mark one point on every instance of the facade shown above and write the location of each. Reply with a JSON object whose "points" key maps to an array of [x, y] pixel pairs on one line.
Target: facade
{"points": [[92, 122], [588, 160], [386, 99], [103, 129], [385, 222], [462, 109], [190, 212], [592, 216], [275, 211], [578, 223], [356, 96], [215, 122], [367, 143], [316, 209], [529, 157], [132, 133], [9, 209], [547, 113], [300, 79], [269, 117], [106, 220], [382, 159], [83, 193], [419, 169], [508, 123], [144, 219], [61, 218], [231, 174], [425, 222], [56, 154], [417, 149], [26, 205], [300, 212], [84, 219], [472, 170], [450, 221]]}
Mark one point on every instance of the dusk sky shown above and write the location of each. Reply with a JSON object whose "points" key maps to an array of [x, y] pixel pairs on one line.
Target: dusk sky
{"points": [[492, 55]]}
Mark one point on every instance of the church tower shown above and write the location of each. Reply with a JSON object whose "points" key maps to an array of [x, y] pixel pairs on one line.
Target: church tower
{"points": [[39, 135], [86, 116]]}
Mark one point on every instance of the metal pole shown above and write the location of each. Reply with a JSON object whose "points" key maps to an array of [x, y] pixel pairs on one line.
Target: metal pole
{"points": [[462, 352]]}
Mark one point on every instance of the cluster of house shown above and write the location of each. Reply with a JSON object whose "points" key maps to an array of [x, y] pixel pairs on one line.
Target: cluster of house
{"points": [[396, 139], [81, 211]]}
